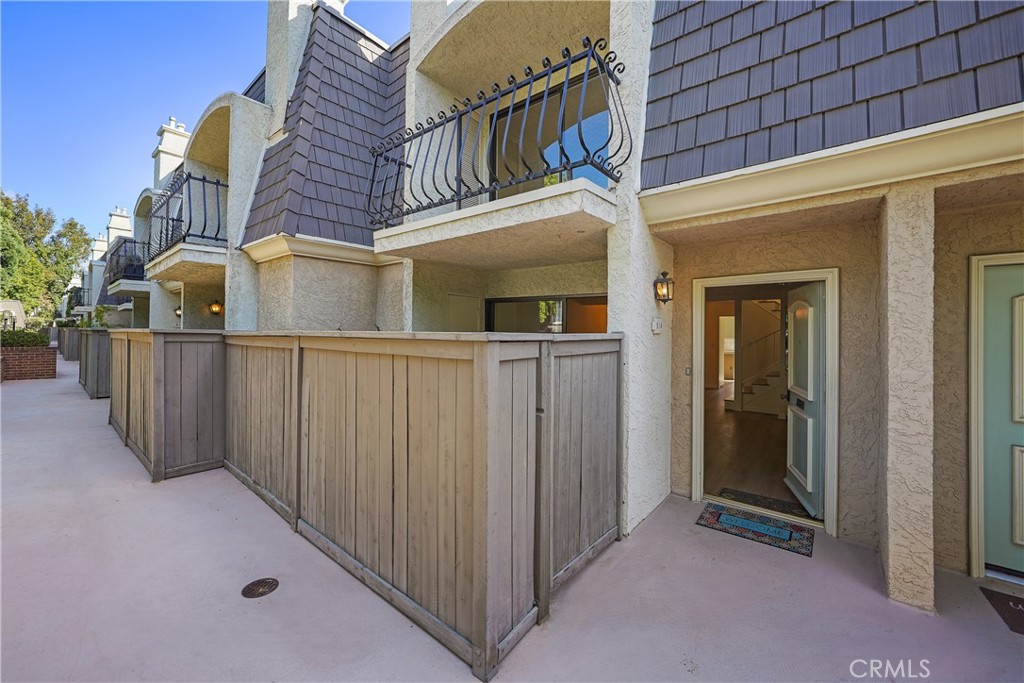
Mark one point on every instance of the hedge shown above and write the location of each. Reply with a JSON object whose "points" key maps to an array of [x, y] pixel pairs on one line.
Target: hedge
{"points": [[23, 338]]}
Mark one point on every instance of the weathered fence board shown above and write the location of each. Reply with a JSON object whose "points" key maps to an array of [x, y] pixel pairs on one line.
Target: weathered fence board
{"points": [[69, 342], [585, 453], [119, 384], [458, 476], [168, 398], [94, 365], [260, 422]]}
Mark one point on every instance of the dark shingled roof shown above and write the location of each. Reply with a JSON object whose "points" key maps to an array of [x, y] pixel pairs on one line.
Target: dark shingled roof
{"points": [[350, 93], [257, 89], [735, 84]]}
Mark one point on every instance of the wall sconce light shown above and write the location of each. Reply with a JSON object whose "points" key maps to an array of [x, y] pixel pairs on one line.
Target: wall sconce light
{"points": [[216, 308], [664, 288], [177, 311]]}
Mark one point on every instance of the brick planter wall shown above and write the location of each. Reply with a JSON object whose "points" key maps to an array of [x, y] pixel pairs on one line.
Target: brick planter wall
{"points": [[28, 362]]}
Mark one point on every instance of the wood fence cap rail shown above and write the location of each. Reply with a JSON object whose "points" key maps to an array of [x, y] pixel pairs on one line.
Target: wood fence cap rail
{"points": [[427, 336]]}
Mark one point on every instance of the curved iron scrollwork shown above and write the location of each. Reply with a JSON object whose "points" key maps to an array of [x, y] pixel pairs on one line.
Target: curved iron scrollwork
{"points": [[126, 261], [537, 130], [190, 208]]}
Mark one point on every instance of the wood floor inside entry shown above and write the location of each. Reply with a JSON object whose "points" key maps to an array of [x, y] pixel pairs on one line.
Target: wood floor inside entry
{"points": [[743, 451]]}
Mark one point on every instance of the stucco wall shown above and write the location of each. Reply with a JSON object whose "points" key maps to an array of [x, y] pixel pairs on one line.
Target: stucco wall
{"points": [[331, 295], [116, 318], [433, 282], [140, 312], [162, 302], [391, 296], [853, 248], [195, 307], [301, 293], [957, 237], [431, 285], [906, 499], [274, 283], [249, 121], [569, 279]]}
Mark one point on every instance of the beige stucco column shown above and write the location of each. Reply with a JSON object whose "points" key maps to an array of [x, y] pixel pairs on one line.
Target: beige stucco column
{"points": [[162, 302], [907, 286], [246, 145], [635, 258], [140, 311]]}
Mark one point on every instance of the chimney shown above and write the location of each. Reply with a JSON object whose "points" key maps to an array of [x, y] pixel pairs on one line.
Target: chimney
{"points": [[119, 225], [99, 248], [169, 152], [287, 31]]}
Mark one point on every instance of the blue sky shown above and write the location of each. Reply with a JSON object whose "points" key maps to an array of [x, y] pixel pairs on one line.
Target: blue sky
{"points": [[85, 85]]}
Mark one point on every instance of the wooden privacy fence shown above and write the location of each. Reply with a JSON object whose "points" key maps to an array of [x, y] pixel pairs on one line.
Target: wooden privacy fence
{"points": [[68, 342], [167, 398], [94, 365], [460, 476]]}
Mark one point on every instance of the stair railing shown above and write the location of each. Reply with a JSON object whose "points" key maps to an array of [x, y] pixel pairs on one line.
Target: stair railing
{"points": [[761, 356]]}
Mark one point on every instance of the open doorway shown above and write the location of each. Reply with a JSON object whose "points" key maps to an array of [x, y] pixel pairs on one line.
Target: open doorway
{"points": [[765, 361]]}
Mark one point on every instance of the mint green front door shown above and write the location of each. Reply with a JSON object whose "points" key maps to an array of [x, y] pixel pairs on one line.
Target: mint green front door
{"points": [[1002, 422], [805, 395]]}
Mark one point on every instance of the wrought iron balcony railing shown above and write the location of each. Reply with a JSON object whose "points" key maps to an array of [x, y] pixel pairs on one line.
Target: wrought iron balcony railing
{"points": [[565, 121], [126, 261], [76, 298], [190, 209]]}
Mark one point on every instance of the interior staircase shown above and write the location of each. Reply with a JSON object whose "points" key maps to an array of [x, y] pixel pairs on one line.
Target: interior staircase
{"points": [[762, 383]]}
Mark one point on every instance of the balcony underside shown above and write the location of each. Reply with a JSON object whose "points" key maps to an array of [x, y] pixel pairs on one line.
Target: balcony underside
{"points": [[123, 287], [564, 223], [191, 263]]}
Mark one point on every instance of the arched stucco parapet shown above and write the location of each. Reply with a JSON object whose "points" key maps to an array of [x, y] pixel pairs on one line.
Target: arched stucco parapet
{"points": [[140, 214], [144, 202], [209, 143]]}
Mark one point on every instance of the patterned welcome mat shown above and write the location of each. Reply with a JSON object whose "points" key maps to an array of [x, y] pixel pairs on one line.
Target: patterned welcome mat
{"points": [[773, 504], [761, 528], [1009, 607]]}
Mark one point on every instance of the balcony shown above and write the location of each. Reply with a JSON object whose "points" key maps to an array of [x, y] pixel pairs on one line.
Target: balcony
{"points": [[533, 160], [126, 269], [188, 230], [76, 298]]}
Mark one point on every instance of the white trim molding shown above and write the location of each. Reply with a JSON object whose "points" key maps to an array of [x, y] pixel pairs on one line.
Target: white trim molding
{"points": [[830, 276], [982, 139], [976, 358], [1018, 358], [276, 246], [1018, 495]]}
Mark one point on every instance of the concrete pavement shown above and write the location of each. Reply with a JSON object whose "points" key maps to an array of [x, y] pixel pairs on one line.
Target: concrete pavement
{"points": [[106, 576]]}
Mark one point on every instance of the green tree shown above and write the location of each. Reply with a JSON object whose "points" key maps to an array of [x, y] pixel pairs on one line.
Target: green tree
{"points": [[38, 260]]}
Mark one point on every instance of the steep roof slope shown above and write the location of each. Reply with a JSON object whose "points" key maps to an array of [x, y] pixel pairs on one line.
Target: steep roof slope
{"points": [[350, 92]]}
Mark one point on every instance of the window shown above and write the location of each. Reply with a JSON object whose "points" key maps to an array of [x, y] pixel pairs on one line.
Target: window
{"points": [[554, 315]]}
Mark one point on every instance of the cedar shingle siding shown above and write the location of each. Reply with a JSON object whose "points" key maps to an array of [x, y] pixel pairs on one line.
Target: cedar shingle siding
{"points": [[735, 84], [349, 94]]}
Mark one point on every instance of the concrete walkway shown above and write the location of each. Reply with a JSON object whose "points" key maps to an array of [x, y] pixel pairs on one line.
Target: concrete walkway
{"points": [[106, 577]]}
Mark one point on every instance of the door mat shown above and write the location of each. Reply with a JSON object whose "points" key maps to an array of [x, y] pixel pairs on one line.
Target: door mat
{"points": [[1009, 607], [761, 528], [773, 504]]}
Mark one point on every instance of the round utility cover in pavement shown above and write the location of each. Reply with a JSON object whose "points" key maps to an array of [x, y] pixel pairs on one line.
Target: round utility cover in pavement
{"points": [[259, 588]]}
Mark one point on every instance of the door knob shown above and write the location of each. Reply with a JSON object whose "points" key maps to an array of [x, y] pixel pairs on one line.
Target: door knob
{"points": [[785, 396]]}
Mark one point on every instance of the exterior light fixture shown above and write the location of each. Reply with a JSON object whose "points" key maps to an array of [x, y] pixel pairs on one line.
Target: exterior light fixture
{"points": [[664, 288], [216, 308], [177, 311]]}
